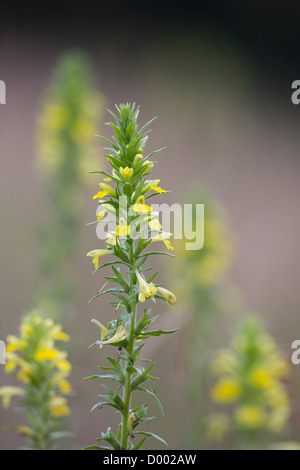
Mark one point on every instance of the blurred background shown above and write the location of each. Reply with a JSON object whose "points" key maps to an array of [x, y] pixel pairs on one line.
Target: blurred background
{"points": [[218, 78]]}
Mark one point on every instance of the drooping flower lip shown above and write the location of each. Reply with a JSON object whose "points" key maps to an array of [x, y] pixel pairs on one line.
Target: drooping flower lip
{"points": [[169, 296], [117, 339]]}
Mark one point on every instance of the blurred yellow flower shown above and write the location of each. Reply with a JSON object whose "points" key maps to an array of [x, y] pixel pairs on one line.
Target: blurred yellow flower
{"points": [[261, 377], [45, 354], [42, 369], [217, 426], [7, 392], [251, 416], [226, 390], [255, 365], [59, 407]]}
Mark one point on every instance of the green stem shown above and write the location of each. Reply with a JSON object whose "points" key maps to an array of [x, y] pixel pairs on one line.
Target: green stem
{"points": [[127, 384]]}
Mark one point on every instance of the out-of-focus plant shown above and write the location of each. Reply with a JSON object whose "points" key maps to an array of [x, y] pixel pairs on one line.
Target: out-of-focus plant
{"points": [[42, 368], [200, 278], [66, 150], [250, 387], [127, 198]]}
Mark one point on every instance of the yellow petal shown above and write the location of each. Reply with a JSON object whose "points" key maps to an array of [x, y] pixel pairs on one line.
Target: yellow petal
{"points": [[101, 194], [169, 296]]}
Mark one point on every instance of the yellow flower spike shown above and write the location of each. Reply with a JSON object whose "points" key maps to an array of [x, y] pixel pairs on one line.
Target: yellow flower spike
{"points": [[227, 390], [108, 189], [119, 336], [100, 194], [146, 290], [141, 207], [130, 423], [122, 229], [101, 214], [96, 254], [7, 392], [169, 296], [126, 173]]}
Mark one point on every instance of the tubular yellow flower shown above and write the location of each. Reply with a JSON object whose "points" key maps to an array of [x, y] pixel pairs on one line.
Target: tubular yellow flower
{"points": [[137, 159], [148, 164], [104, 331], [96, 254], [108, 189], [169, 296], [126, 173], [164, 236], [153, 186], [122, 230], [119, 336], [141, 207], [7, 392], [100, 194], [146, 290], [227, 390], [131, 421], [111, 240], [101, 214]]}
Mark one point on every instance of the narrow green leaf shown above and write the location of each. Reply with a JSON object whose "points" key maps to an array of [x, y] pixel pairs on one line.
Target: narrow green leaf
{"points": [[151, 434]]}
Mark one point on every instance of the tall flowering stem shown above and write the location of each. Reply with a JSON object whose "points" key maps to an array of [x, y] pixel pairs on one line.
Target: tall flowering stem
{"points": [[42, 369], [123, 203], [66, 150]]}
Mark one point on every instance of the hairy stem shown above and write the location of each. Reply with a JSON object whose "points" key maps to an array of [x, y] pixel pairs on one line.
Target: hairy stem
{"points": [[127, 384]]}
